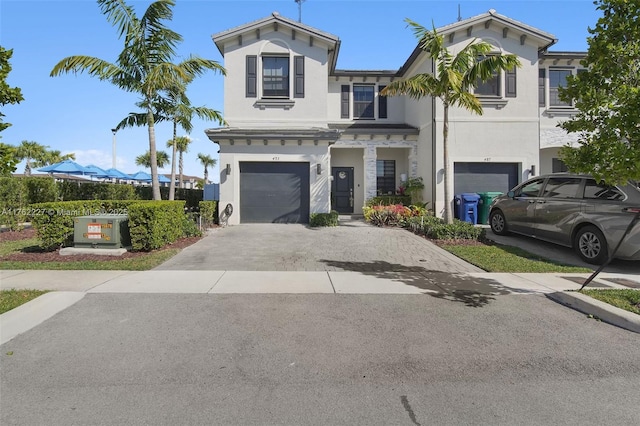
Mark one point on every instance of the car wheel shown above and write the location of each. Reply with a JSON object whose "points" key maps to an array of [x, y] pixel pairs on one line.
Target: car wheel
{"points": [[591, 245], [498, 223]]}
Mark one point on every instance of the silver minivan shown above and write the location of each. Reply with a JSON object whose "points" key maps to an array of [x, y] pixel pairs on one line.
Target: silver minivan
{"points": [[574, 211]]}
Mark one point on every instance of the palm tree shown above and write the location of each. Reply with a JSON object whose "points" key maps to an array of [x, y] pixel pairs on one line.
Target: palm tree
{"points": [[181, 145], [207, 162], [53, 157], [162, 159], [30, 150], [144, 66], [175, 107], [454, 77]]}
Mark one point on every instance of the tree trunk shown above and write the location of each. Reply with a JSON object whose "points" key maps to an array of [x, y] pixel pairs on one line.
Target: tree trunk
{"points": [[27, 168], [448, 217], [153, 158], [206, 176], [172, 185], [181, 167]]}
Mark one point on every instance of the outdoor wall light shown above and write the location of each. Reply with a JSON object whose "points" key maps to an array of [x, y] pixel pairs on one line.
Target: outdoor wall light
{"points": [[533, 170], [319, 168], [228, 169]]}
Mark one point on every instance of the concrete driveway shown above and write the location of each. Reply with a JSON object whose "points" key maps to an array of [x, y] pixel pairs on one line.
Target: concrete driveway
{"points": [[352, 246]]}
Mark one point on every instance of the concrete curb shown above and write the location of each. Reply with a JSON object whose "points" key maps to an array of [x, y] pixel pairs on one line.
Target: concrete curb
{"points": [[604, 311], [25, 317]]}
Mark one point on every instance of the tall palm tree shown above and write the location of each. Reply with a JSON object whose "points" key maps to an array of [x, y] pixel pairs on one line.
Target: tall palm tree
{"points": [[175, 106], [145, 64], [454, 77], [162, 159], [30, 150], [207, 162], [181, 145]]}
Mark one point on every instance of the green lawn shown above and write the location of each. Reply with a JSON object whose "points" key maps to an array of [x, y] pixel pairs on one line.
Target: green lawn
{"points": [[627, 299], [139, 263], [10, 299], [494, 258]]}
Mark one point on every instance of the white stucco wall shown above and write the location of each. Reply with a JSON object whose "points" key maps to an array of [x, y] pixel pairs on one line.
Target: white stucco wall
{"points": [[310, 111], [291, 152], [395, 104]]}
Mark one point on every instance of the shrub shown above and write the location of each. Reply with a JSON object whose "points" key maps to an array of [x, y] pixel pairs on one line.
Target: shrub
{"points": [[154, 224], [190, 226], [454, 231], [323, 219], [40, 189], [387, 200], [12, 202], [54, 221], [386, 215], [71, 191], [208, 212]]}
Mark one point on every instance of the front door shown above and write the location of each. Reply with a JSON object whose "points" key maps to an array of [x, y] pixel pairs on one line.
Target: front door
{"points": [[342, 189]]}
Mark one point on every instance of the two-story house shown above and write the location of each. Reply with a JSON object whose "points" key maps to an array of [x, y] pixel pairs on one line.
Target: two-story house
{"points": [[305, 137]]}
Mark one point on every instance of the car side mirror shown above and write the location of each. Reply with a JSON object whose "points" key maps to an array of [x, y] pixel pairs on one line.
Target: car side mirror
{"points": [[511, 194]]}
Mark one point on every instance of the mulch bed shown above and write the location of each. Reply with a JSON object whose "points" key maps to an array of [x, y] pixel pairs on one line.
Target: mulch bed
{"points": [[36, 254]]}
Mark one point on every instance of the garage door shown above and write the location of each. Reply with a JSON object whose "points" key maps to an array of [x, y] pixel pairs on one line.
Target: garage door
{"points": [[484, 177], [274, 192]]}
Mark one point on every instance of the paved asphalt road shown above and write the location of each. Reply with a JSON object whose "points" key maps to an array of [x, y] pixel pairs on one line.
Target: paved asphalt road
{"points": [[320, 359]]}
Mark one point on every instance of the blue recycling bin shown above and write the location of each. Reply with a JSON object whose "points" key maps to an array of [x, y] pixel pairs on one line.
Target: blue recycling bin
{"points": [[467, 207]]}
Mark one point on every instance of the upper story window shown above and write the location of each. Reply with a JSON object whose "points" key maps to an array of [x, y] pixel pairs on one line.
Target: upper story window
{"points": [[490, 87], [275, 76], [557, 79], [361, 99], [274, 79], [363, 95]]}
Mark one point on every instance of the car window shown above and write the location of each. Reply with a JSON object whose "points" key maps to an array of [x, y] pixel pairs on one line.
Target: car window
{"points": [[561, 187], [531, 189], [600, 191]]}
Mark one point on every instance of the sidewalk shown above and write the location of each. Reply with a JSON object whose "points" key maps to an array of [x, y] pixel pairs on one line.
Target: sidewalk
{"points": [[68, 287]]}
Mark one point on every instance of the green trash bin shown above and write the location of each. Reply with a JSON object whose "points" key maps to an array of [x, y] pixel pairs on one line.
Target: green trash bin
{"points": [[483, 205]]}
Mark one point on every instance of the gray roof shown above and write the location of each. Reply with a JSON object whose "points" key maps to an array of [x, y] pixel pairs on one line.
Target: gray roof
{"points": [[311, 133]]}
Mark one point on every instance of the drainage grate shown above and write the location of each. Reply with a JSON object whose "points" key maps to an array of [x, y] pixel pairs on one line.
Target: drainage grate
{"points": [[625, 282], [592, 284]]}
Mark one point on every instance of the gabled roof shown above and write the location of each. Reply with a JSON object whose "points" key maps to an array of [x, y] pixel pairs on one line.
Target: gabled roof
{"points": [[275, 20], [491, 17]]}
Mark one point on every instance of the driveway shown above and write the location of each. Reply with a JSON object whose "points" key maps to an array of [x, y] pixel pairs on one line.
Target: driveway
{"points": [[352, 246]]}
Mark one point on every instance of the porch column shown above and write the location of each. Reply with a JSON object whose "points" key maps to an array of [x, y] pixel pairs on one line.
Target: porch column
{"points": [[413, 160], [370, 172]]}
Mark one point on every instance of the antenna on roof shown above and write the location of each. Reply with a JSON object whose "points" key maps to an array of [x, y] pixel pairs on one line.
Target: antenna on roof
{"points": [[299, 9], [459, 17]]}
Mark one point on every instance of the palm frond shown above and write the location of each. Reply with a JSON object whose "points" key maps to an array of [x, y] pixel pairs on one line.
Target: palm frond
{"points": [[119, 14]]}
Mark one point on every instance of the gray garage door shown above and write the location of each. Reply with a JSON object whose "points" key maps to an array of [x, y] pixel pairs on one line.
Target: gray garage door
{"points": [[484, 177], [274, 192]]}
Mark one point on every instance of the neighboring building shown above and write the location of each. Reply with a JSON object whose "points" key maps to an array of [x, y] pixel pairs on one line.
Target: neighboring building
{"points": [[305, 137]]}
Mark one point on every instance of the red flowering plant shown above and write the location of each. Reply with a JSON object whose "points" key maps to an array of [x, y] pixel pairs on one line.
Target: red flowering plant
{"points": [[391, 215]]}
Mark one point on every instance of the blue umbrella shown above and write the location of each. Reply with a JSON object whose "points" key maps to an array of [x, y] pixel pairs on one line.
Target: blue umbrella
{"points": [[69, 167], [97, 172], [115, 173], [163, 179], [141, 176]]}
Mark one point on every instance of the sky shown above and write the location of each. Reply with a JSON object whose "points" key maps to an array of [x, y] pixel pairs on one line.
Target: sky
{"points": [[75, 113]]}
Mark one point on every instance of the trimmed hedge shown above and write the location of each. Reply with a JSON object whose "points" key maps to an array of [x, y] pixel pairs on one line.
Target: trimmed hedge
{"points": [[54, 221], [154, 224], [323, 219], [72, 191], [208, 212], [191, 196]]}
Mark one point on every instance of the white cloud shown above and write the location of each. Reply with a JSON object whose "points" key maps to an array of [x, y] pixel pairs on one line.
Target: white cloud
{"points": [[99, 158]]}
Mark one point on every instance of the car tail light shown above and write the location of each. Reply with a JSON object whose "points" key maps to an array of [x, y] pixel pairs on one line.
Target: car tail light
{"points": [[631, 209]]}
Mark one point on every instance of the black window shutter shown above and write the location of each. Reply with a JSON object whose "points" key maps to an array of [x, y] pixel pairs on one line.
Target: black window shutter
{"points": [[344, 101], [298, 70], [542, 75], [252, 76], [510, 83], [382, 103]]}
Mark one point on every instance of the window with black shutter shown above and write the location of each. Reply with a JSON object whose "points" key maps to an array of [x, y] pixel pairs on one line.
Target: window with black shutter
{"points": [[252, 76], [345, 90], [298, 71], [363, 106], [382, 103]]}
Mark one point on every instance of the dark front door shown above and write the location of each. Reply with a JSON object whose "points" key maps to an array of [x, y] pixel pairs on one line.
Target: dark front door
{"points": [[342, 189]]}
